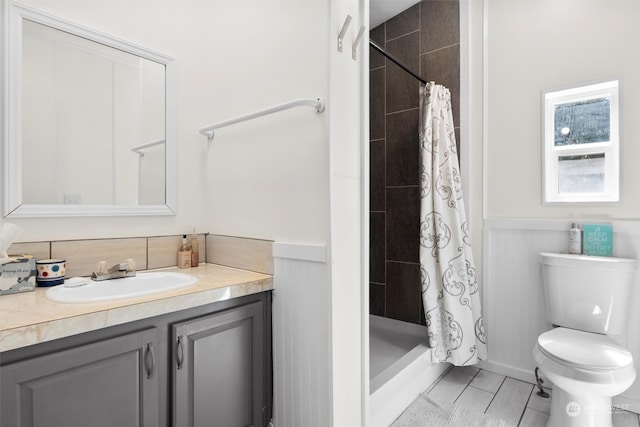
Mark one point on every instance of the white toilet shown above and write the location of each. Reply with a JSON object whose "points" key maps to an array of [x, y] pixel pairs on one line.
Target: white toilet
{"points": [[587, 299]]}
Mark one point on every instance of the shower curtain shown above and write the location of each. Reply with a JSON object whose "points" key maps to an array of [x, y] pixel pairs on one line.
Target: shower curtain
{"points": [[449, 287]]}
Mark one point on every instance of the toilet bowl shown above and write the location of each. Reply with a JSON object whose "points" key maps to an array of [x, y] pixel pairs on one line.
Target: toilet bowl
{"points": [[586, 299], [586, 370]]}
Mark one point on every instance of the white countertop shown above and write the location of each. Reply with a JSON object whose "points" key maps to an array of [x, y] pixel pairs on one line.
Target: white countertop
{"points": [[31, 318]]}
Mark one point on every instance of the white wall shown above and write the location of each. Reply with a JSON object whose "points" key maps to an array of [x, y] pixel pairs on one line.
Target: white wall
{"points": [[284, 177], [165, 27], [533, 45], [348, 295], [267, 178], [471, 121]]}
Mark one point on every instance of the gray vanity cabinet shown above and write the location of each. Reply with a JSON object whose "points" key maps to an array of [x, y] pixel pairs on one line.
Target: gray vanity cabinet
{"points": [[204, 366], [103, 384], [218, 369]]}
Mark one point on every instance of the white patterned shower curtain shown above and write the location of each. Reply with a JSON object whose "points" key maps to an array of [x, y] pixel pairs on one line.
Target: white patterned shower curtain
{"points": [[449, 286]]}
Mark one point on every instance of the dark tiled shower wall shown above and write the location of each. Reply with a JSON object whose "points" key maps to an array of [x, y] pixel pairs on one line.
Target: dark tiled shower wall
{"points": [[425, 37]]}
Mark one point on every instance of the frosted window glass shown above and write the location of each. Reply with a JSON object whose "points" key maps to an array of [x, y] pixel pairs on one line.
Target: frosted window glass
{"points": [[582, 122], [581, 174]]}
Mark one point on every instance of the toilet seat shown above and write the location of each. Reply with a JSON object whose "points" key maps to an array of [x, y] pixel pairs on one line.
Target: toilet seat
{"points": [[586, 370], [583, 350]]}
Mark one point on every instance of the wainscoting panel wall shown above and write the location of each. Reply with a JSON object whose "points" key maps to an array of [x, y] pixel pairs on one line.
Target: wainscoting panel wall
{"points": [[513, 299], [301, 336]]}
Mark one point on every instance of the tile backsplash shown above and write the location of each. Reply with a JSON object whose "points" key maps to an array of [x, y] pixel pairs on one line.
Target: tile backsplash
{"points": [[83, 255], [152, 252], [238, 252]]}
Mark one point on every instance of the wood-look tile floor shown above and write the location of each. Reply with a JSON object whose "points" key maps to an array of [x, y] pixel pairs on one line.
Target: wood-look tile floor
{"points": [[514, 401]]}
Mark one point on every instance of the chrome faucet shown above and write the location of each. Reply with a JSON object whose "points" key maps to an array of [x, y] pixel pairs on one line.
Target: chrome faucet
{"points": [[118, 271]]}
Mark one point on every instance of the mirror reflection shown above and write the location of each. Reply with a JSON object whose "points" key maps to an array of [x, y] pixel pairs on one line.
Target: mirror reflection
{"points": [[91, 128], [85, 108]]}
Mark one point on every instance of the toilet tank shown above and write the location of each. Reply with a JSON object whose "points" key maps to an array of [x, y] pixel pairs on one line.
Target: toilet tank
{"points": [[588, 293]]}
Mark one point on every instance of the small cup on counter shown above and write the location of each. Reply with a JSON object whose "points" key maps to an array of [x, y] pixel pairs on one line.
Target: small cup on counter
{"points": [[50, 271]]}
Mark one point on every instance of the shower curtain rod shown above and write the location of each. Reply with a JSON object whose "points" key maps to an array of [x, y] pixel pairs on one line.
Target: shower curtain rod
{"points": [[396, 60]]}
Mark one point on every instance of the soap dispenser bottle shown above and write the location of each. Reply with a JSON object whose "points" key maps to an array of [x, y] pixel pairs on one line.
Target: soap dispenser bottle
{"points": [[184, 253], [195, 252], [575, 239]]}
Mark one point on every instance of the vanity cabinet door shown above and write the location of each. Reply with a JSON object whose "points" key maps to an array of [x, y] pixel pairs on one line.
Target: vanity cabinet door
{"points": [[219, 368], [103, 384]]}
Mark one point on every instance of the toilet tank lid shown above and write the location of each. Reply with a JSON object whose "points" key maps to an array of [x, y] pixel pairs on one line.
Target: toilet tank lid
{"points": [[584, 349], [594, 262]]}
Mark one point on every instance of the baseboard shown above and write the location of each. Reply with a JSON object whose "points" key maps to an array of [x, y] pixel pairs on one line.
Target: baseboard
{"points": [[509, 371]]}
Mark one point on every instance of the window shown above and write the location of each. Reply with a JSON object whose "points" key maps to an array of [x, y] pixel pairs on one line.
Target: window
{"points": [[581, 144]]}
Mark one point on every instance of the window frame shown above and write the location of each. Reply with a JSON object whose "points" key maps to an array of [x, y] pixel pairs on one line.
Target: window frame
{"points": [[611, 149]]}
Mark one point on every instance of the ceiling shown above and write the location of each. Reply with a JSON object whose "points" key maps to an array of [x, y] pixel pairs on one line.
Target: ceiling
{"points": [[381, 10]]}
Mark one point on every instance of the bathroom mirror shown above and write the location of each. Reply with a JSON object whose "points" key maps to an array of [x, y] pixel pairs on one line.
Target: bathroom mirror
{"points": [[90, 128]]}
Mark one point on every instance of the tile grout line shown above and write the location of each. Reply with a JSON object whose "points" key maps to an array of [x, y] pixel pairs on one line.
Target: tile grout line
{"points": [[495, 394], [466, 386], [526, 406], [521, 418], [531, 409], [440, 378], [403, 35]]}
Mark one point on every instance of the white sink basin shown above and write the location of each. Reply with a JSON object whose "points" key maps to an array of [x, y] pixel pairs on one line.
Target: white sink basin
{"points": [[129, 287]]}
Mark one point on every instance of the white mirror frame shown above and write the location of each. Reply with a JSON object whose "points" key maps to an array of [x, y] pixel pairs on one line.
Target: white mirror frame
{"points": [[14, 14]]}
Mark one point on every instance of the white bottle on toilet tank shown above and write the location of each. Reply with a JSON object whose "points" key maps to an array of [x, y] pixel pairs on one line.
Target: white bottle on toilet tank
{"points": [[575, 239]]}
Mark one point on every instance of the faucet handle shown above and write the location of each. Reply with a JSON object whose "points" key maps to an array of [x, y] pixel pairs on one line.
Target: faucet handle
{"points": [[101, 268], [122, 269]]}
